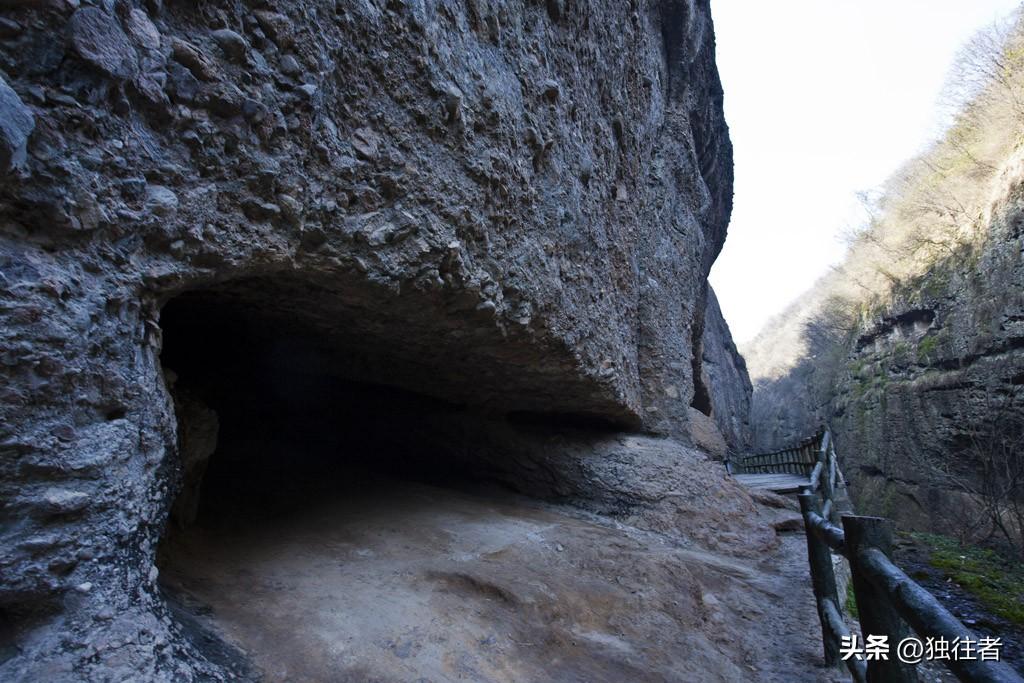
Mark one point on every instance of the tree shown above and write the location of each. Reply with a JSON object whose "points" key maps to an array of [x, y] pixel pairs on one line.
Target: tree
{"points": [[989, 68], [986, 467]]}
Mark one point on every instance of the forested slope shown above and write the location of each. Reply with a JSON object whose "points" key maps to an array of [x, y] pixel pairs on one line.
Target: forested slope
{"points": [[913, 348]]}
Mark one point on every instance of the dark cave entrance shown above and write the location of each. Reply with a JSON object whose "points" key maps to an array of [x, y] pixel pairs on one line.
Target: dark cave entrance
{"points": [[329, 443], [269, 418], [285, 391], [294, 440], [354, 462]]}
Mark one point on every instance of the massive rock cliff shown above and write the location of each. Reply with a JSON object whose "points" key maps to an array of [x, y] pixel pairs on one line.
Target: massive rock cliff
{"points": [[508, 207]]}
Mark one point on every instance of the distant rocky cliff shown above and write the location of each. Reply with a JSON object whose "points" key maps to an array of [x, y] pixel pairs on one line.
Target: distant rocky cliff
{"points": [[791, 391], [508, 207], [943, 367], [910, 387], [912, 348]]}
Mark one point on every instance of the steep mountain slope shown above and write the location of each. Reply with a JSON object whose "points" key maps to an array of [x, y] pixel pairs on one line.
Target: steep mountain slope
{"points": [[913, 349]]}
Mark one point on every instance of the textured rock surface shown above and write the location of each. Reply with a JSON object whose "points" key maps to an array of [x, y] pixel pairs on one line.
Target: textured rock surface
{"points": [[512, 206], [724, 374], [16, 123], [650, 483], [414, 583]]}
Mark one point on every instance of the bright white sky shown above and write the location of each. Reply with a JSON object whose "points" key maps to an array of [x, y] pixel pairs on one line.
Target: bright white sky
{"points": [[824, 98]]}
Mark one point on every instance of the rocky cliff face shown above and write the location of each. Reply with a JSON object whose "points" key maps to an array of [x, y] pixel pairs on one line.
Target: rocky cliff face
{"points": [[510, 207], [724, 392], [925, 382], [791, 395], [909, 390]]}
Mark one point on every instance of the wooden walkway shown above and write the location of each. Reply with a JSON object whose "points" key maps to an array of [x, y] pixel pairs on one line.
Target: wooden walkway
{"points": [[777, 483], [787, 471]]}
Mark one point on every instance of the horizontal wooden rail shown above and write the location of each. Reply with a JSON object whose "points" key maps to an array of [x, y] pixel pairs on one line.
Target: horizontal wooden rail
{"points": [[798, 459], [828, 533], [928, 617]]}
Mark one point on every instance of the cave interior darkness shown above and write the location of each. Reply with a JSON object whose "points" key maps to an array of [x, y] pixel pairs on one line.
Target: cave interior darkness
{"points": [[291, 430], [322, 474]]}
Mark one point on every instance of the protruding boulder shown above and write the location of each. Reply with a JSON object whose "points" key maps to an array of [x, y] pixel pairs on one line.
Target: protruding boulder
{"points": [[16, 124], [60, 501], [366, 142], [232, 44], [277, 27], [201, 66], [142, 30], [161, 201], [706, 434], [98, 38]]}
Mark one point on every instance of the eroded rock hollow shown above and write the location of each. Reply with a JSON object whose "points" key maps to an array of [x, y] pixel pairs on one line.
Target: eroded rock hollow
{"points": [[239, 239]]}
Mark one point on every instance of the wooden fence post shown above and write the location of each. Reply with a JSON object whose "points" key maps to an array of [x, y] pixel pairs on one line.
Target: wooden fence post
{"points": [[878, 616], [828, 474], [823, 578], [838, 483]]}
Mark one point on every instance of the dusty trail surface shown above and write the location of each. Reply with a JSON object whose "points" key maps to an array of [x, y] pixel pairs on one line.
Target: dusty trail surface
{"points": [[409, 582]]}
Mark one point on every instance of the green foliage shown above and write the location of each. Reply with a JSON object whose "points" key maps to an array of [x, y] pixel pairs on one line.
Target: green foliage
{"points": [[996, 583], [936, 284], [851, 602], [926, 347], [859, 389], [881, 380]]}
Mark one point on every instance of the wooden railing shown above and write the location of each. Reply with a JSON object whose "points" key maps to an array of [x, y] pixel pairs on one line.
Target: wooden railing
{"points": [[798, 459], [889, 603], [814, 458]]}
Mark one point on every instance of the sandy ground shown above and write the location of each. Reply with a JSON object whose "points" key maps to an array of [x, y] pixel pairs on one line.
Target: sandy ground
{"points": [[407, 582]]}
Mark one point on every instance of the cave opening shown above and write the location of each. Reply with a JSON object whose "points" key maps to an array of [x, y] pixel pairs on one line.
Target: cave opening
{"points": [[296, 437], [271, 415], [326, 449]]}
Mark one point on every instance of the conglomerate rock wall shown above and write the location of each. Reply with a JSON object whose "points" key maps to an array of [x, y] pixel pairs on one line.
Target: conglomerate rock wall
{"points": [[509, 205]]}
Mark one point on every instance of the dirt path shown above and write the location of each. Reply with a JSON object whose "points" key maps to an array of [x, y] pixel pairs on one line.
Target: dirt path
{"points": [[406, 582]]}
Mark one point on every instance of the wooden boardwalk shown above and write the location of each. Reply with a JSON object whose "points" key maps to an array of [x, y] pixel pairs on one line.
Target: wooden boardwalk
{"points": [[777, 483], [787, 471]]}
